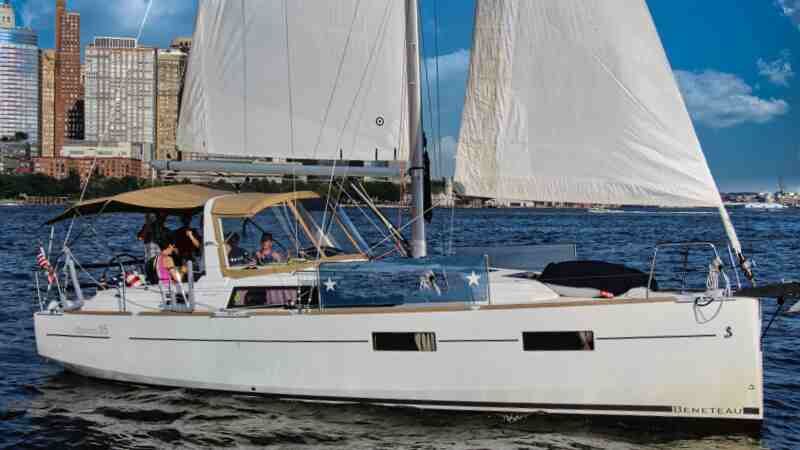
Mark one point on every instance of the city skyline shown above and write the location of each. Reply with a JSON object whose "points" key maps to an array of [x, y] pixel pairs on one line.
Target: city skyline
{"points": [[734, 63]]}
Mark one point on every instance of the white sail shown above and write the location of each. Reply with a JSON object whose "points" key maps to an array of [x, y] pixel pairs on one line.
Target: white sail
{"points": [[575, 101], [296, 79]]}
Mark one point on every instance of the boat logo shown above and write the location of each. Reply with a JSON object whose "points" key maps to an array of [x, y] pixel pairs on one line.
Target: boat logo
{"points": [[100, 330], [728, 332], [708, 411]]}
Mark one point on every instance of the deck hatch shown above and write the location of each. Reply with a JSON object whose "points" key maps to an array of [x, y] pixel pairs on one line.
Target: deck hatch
{"points": [[549, 341], [421, 341]]}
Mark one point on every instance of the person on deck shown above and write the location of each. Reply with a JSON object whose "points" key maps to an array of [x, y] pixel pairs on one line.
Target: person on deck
{"points": [[165, 266], [187, 240], [237, 256], [152, 233], [266, 254], [151, 249]]}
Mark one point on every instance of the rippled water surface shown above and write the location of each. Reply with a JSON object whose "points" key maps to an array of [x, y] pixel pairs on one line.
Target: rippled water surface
{"points": [[42, 406]]}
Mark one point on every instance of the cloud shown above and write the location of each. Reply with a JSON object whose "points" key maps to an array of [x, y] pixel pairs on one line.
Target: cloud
{"points": [[32, 13], [790, 9], [778, 71], [451, 65], [723, 100], [453, 69]]}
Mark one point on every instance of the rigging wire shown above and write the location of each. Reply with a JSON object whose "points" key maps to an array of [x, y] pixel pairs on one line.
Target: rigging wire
{"points": [[144, 19], [289, 76], [447, 248], [438, 87], [426, 75], [338, 77], [435, 112], [244, 79], [361, 84]]}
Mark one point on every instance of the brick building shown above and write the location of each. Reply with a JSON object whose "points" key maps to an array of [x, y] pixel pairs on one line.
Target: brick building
{"points": [[114, 160], [108, 167], [171, 66], [68, 86]]}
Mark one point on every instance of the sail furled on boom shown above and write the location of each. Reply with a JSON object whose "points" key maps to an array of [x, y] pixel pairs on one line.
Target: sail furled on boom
{"points": [[575, 101], [296, 79]]}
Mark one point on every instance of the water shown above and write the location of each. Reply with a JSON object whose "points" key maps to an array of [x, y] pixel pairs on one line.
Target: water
{"points": [[41, 406]]}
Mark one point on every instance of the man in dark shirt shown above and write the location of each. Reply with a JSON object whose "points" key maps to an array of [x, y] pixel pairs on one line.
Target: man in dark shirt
{"points": [[237, 256], [187, 240]]}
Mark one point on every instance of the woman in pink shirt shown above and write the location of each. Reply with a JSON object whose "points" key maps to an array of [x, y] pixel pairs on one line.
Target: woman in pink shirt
{"points": [[165, 263]]}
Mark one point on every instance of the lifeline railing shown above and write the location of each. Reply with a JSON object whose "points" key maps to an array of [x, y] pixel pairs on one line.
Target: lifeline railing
{"points": [[716, 263], [170, 300], [175, 297]]}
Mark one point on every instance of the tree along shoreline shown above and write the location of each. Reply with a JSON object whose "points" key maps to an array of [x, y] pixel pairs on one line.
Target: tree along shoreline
{"points": [[40, 185]]}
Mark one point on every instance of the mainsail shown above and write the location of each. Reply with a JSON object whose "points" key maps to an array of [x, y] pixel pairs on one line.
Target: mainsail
{"points": [[574, 101], [297, 79]]}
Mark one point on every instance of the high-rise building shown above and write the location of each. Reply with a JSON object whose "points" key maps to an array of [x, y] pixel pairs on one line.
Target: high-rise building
{"points": [[7, 18], [120, 91], [47, 105], [19, 78], [171, 66], [182, 43], [68, 87]]}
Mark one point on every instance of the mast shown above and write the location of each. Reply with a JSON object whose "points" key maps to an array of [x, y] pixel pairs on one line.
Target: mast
{"points": [[418, 243]]}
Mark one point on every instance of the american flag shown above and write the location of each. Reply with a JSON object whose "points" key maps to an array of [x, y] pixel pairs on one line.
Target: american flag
{"points": [[44, 264]]}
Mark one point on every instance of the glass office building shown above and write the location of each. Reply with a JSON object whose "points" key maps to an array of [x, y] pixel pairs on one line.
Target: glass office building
{"points": [[19, 83]]}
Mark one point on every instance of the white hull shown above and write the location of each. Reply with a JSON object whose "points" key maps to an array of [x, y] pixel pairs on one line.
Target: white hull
{"points": [[651, 358]]}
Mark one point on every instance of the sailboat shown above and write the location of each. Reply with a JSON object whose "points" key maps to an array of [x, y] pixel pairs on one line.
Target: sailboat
{"points": [[568, 101]]}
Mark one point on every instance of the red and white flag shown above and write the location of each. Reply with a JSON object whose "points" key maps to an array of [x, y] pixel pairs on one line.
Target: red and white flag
{"points": [[44, 264], [133, 280]]}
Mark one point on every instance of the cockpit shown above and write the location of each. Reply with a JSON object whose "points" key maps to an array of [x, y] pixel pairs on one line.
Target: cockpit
{"points": [[282, 231]]}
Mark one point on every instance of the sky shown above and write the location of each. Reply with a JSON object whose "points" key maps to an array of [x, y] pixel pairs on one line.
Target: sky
{"points": [[735, 62]]}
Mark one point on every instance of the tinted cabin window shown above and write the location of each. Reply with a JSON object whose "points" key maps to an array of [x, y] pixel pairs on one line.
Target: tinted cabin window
{"points": [[549, 341], [404, 342], [262, 297]]}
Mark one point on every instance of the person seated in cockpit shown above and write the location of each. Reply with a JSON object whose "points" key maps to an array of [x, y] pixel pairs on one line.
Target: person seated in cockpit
{"points": [[266, 253], [237, 256]]}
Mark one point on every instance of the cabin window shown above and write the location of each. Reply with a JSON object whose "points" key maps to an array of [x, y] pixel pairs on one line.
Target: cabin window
{"points": [[244, 236], [549, 341], [262, 297], [404, 342], [290, 231], [331, 228]]}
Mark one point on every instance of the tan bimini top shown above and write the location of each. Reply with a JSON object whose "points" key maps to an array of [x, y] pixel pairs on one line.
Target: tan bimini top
{"points": [[250, 204], [175, 199]]}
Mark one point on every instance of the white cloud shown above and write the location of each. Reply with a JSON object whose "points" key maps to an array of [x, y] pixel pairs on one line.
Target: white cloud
{"points": [[451, 65], [778, 71], [31, 13], [722, 100], [453, 68], [791, 9]]}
